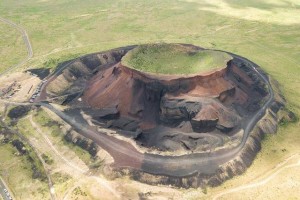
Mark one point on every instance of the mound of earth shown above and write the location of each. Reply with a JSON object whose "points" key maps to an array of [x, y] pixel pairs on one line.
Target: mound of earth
{"points": [[163, 111], [171, 113]]}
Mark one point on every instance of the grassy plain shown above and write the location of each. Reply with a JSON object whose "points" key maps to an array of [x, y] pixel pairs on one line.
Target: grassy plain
{"points": [[174, 59], [11, 46], [266, 32]]}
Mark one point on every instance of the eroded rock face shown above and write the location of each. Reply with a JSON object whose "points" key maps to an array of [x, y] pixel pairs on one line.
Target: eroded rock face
{"points": [[211, 103], [180, 109]]}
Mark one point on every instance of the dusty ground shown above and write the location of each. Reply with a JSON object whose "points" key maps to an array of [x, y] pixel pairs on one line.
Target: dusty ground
{"points": [[25, 80], [280, 182]]}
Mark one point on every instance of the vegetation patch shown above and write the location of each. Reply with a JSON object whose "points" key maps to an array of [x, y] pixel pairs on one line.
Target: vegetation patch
{"points": [[18, 112], [19, 179], [12, 46], [174, 59], [83, 143], [85, 149], [38, 171], [19, 146], [60, 177], [78, 191], [47, 159]]}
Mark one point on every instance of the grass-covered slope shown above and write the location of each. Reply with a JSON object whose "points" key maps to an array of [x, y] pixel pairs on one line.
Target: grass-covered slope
{"points": [[174, 59]]}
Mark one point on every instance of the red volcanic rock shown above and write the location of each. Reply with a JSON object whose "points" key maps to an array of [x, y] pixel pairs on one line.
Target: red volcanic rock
{"points": [[163, 99], [147, 97]]}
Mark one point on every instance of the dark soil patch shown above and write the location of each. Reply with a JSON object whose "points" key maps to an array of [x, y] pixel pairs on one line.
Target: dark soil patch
{"points": [[18, 112], [20, 146], [40, 72]]}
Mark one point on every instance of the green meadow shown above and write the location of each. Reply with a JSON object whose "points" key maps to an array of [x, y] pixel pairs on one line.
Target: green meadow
{"points": [[166, 58], [12, 48]]}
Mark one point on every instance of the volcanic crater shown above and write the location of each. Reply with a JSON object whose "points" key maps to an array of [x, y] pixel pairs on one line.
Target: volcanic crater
{"points": [[172, 101]]}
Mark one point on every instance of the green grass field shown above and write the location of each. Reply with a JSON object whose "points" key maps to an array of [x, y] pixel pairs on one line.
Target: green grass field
{"points": [[174, 59], [266, 32], [12, 48]]}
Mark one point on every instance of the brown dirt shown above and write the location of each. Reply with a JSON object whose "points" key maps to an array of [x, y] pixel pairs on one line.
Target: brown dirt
{"points": [[28, 84]]}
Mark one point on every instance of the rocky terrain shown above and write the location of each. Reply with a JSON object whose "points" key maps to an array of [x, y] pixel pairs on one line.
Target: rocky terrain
{"points": [[171, 114]]}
